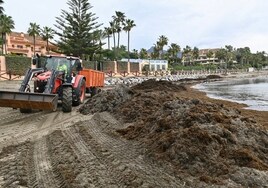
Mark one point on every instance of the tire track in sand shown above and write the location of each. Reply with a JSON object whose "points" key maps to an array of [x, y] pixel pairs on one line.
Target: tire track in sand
{"points": [[43, 169], [122, 158]]}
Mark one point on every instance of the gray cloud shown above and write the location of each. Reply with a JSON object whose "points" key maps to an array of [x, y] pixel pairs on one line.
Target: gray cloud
{"points": [[201, 23]]}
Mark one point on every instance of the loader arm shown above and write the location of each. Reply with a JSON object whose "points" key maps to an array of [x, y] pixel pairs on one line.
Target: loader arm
{"points": [[24, 99], [28, 76], [51, 82]]}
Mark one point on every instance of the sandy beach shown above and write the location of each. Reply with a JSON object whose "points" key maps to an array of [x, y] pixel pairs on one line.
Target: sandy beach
{"points": [[153, 134]]}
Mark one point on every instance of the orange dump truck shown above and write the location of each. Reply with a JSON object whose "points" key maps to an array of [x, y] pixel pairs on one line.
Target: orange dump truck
{"points": [[61, 78]]}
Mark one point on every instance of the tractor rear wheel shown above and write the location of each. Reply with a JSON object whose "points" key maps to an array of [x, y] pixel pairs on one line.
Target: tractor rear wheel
{"points": [[67, 99], [81, 91]]}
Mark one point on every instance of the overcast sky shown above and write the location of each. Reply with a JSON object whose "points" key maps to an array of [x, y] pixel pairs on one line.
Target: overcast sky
{"points": [[200, 23]]}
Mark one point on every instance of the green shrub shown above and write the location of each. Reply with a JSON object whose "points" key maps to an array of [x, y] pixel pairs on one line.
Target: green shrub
{"points": [[89, 64], [17, 65]]}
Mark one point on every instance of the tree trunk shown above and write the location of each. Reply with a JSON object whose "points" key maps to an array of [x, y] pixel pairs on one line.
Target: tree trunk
{"points": [[34, 45], [118, 39], [114, 46], [128, 39], [108, 42], [47, 48], [2, 43], [5, 41]]}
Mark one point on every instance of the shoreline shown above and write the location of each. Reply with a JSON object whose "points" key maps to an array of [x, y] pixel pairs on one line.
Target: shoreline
{"points": [[259, 116]]}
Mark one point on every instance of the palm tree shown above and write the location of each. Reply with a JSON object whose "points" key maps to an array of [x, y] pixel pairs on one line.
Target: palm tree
{"points": [[47, 34], [162, 41], [6, 25], [34, 30], [128, 25], [99, 35], [195, 53], [156, 51], [174, 49], [112, 26], [108, 32], [118, 19], [1, 8], [187, 54], [143, 53]]}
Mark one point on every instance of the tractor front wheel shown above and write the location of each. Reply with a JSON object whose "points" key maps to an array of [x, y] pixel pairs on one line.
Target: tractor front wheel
{"points": [[67, 99], [81, 93]]}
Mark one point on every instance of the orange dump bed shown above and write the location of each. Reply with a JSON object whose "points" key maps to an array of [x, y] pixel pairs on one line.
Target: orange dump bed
{"points": [[93, 78]]}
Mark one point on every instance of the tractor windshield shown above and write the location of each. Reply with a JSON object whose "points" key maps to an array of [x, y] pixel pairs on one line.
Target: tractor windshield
{"points": [[55, 62]]}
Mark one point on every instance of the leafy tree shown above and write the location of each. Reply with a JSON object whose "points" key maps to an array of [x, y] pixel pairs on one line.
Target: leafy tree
{"points": [[76, 29], [247, 54], [6, 25], [47, 33], [209, 54], [134, 54], [34, 30], [1, 8], [258, 60], [221, 54], [128, 25], [229, 48]]}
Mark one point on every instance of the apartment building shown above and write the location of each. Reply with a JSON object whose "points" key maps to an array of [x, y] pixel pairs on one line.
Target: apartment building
{"points": [[22, 44], [205, 56]]}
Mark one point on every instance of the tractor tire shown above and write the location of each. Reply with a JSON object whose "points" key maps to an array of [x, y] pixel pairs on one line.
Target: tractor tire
{"points": [[67, 99], [81, 90], [25, 111]]}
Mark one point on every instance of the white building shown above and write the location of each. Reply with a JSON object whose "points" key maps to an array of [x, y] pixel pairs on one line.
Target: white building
{"points": [[154, 65]]}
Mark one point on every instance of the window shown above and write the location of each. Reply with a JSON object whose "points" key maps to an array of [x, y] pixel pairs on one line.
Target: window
{"points": [[152, 67]]}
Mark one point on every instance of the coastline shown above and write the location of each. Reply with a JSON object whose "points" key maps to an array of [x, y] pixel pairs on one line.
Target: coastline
{"points": [[259, 116]]}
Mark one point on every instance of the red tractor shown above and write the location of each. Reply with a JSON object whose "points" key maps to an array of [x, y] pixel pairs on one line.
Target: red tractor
{"points": [[61, 78]]}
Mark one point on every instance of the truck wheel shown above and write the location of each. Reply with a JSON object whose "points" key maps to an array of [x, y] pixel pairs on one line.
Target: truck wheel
{"points": [[67, 99], [94, 91], [81, 90]]}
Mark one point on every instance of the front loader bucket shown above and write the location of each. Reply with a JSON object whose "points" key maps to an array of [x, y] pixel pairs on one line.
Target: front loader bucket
{"points": [[24, 100]]}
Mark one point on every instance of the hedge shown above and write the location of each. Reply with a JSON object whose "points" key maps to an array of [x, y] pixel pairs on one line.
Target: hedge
{"points": [[89, 64], [17, 65]]}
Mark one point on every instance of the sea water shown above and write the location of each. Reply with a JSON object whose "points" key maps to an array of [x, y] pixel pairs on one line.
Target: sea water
{"points": [[250, 91]]}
